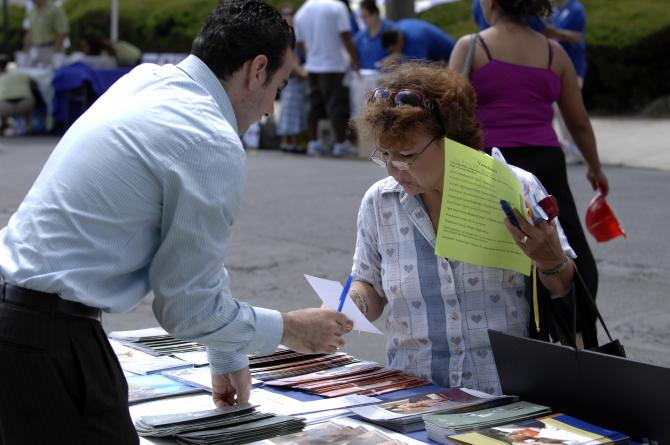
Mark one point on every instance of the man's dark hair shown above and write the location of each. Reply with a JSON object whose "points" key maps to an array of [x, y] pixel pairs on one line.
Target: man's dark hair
{"points": [[370, 6], [239, 30], [390, 37], [4, 60]]}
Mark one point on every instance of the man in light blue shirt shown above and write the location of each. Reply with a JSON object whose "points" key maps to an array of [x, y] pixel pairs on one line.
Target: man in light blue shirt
{"points": [[141, 194]]}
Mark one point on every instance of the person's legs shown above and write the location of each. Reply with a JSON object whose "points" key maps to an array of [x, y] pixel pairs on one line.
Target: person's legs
{"points": [[292, 115], [338, 107], [61, 381], [316, 111]]}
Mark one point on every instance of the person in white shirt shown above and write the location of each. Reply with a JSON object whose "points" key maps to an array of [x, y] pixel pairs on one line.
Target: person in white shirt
{"points": [[323, 32]]}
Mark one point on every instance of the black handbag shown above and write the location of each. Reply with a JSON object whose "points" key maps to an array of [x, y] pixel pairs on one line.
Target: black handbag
{"points": [[614, 347], [560, 319]]}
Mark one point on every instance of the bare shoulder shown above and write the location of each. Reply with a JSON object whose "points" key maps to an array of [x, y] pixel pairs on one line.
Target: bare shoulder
{"points": [[459, 52], [561, 60], [464, 42]]}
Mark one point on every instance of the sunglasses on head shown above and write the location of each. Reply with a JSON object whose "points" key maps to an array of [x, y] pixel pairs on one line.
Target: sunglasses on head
{"points": [[407, 97], [403, 97]]}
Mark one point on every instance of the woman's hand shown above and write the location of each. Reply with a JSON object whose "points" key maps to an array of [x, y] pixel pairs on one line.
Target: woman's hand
{"points": [[540, 242], [598, 180]]}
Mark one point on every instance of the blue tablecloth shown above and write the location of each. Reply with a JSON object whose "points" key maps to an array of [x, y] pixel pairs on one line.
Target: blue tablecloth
{"points": [[73, 77]]}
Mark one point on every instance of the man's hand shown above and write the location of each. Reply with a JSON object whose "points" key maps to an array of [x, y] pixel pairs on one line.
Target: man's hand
{"points": [[315, 330], [225, 388]]}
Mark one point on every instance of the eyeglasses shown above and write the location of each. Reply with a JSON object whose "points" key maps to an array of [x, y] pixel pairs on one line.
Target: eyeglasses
{"points": [[381, 159]]}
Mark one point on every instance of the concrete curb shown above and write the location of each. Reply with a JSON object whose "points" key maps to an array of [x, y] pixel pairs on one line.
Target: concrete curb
{"points": [[633, 142]]}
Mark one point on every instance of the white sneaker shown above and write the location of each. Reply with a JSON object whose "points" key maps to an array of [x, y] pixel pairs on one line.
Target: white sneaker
{"points": [[315, 148], [344, 149]]}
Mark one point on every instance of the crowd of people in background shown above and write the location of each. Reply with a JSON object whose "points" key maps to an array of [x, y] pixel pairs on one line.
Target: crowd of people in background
{"points": [[335, 45], [334, 52]]}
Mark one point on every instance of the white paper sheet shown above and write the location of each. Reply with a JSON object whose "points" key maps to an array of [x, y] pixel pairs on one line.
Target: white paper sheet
{"points": [[329, 292]]}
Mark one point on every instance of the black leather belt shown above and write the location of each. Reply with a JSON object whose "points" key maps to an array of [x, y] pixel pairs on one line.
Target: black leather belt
{"points": [[44, 302]]}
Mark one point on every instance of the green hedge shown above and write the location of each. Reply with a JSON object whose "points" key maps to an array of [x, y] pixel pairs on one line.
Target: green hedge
{"points": [[626, 39]]}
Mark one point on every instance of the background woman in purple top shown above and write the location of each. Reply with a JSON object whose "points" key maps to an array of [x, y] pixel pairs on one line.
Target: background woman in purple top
{"points": [[517, 74]]}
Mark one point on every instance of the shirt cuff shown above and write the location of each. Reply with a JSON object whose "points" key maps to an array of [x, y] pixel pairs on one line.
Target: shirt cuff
{"points": [[269, 332], [224, 362]]}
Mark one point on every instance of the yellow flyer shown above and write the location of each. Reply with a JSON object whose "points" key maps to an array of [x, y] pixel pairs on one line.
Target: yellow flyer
{"points": [[471, 227]]}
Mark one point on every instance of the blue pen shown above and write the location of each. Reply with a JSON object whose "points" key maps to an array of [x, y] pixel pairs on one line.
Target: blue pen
{"points": [[507, 209], [345, 291]]}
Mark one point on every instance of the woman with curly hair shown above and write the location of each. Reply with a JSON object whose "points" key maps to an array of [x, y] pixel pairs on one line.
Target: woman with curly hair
{"points": [[517, 74], [439, 308]]}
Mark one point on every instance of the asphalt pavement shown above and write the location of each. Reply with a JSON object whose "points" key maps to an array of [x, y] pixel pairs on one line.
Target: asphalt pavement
{"points": [[299, 217]]}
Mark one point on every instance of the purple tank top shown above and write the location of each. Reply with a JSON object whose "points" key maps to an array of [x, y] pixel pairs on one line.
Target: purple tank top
{"points": [[514, 103]]}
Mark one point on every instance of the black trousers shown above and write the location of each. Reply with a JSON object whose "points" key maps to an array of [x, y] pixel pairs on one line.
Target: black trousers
{"points": [[60, 381], [548, 165]]}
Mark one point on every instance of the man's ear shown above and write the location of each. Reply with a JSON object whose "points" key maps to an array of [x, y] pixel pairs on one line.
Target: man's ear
{"points": [[257, 72]]}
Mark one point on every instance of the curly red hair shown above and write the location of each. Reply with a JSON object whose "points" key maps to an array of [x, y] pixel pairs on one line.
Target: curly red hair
{"points": [[383, 123]]}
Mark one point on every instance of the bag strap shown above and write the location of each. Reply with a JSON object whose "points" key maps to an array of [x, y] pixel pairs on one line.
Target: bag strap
{"points": [[471, 52], [592, 301]]}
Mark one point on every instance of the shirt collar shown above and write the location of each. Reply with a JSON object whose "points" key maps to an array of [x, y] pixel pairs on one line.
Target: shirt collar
{"points": [[413, 206], [390, 185], [200, 73]]}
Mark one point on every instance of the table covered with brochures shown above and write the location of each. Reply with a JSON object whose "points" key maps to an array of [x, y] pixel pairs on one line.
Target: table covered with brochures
{"points": [[323, 398]]}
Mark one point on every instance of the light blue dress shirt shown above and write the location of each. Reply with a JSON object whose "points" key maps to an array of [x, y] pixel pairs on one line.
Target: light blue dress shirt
{"points": [[141, 194]]}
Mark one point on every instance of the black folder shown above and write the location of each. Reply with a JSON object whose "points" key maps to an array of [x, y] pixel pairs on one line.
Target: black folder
{"points": [[608, 391]]}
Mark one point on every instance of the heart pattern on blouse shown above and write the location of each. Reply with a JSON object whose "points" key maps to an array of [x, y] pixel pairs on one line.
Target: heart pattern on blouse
{"points": [[404, 230], [408, 268]]}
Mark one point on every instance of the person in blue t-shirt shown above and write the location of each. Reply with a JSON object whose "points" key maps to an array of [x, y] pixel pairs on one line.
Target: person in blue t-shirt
{"points": [[567, 26], [416, 39], [478, 15], [568, 23], [368, 41]]}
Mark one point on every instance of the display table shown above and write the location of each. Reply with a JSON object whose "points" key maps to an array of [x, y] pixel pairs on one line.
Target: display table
{"points": [[76, 87]]}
